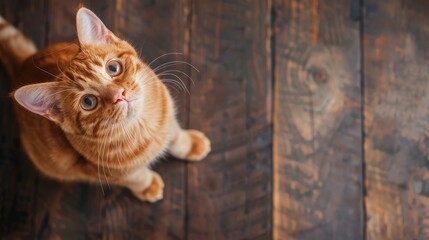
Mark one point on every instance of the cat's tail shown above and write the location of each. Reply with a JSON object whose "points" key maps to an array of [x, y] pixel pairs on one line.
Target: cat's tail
{"points": [[14, 47]]}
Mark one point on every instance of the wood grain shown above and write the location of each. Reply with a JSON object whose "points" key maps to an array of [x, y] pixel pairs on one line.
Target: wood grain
{"points": [[18, 177], [317, 122], [396, 119], [229, 192]]}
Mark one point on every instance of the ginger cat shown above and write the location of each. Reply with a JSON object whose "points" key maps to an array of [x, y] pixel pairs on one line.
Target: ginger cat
{"points": [[94, 111]]}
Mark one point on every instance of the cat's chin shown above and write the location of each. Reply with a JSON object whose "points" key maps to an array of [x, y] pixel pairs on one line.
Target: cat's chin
{"points": [[128, 112], [131, 110]]}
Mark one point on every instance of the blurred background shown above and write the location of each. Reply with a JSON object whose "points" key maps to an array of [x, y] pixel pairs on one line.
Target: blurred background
{"points": [[317, 110]]}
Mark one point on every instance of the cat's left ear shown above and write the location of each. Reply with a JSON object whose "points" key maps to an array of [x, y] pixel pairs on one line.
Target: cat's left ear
{"points": [[41, 99], [91, 30]]}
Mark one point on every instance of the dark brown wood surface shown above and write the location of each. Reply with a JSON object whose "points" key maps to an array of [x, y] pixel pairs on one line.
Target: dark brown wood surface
{"points": [[317, 122], [18, 178], [396, 119], [229, 193], [317, 112]]}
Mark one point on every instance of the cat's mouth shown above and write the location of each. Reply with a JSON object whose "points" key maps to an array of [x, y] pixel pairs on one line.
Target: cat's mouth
{"points": [[128, 108], [122, 111], [131, 111], [125, 110]]}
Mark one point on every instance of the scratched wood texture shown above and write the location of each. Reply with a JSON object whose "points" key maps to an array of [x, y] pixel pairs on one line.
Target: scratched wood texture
{"points": [[317, 112], [317, 121], [396, 35], [229, 194], [19, 188]]}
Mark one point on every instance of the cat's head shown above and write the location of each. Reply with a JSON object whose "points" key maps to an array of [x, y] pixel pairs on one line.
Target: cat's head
{"points": [[103, 85]]}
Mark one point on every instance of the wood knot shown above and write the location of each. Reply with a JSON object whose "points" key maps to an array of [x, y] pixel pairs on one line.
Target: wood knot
{"points": [[423, 144], [320, 76]]}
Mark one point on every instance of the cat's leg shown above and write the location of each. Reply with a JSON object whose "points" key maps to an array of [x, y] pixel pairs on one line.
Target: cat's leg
{"points": [[145, 184], [188, 144]]}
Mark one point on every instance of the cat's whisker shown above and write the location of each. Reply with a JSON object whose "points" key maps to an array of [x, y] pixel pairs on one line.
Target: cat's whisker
{"points": [[102, 156], [127, 141], [145, 129], [174, 63], [118, 150], [178, 78], [140, 52], [121, 127], [109, 149], [59, 92], [81, 49], [149, 83], [148, 80], [144, 79], [173, 87], [43, 70], [61, 71], [189, 77], [174, 84], [98, 168], [127, 138], [163, 55]]}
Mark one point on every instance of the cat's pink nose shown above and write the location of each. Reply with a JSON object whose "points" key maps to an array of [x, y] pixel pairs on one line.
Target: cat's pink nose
{"points": [[116, 94]]}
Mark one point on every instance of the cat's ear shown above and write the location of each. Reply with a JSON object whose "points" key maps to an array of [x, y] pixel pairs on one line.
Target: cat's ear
{"points": [[91, 30], [40, 99]]}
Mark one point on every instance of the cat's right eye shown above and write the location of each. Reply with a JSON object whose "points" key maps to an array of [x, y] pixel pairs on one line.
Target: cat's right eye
{"points": [[114, 67], [88, 102]]}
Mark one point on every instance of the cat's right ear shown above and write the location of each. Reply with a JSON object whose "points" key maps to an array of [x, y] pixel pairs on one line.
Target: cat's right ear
{"points": [[91, 30], [40, 99]]}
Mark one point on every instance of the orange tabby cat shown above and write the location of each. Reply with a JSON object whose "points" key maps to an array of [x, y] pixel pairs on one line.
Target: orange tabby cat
{"points": [[94, 111]]}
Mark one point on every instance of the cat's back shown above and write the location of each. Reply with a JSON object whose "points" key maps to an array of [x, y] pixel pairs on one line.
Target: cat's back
{"points": [[45, 65]]}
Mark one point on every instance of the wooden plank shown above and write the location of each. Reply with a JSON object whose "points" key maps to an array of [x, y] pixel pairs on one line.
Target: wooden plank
{"points": [[18, 177], [155, 28], [229, 192], [396, 119], [317, 121]]}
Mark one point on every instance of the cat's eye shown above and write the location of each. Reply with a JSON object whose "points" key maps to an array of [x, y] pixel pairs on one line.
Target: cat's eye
{"points": [[114, 67], [88, 102]]}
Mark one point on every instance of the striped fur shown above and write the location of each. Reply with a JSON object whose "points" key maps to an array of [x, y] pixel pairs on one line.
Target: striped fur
{"points": [[116, 141]]}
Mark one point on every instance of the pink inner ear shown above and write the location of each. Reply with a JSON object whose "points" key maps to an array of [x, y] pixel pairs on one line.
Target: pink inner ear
{"points": [[39, 99], [90, 29]]}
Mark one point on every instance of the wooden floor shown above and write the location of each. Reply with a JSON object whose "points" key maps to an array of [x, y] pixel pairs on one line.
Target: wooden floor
{"points": [[318, 112]]}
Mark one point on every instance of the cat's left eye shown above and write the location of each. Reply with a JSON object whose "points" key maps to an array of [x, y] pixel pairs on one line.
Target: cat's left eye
{"points": [[88, 102], [114, 67]]}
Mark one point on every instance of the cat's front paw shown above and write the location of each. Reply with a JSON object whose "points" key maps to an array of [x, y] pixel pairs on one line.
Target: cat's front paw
{"points": [[200, 146], [154, 192]]}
